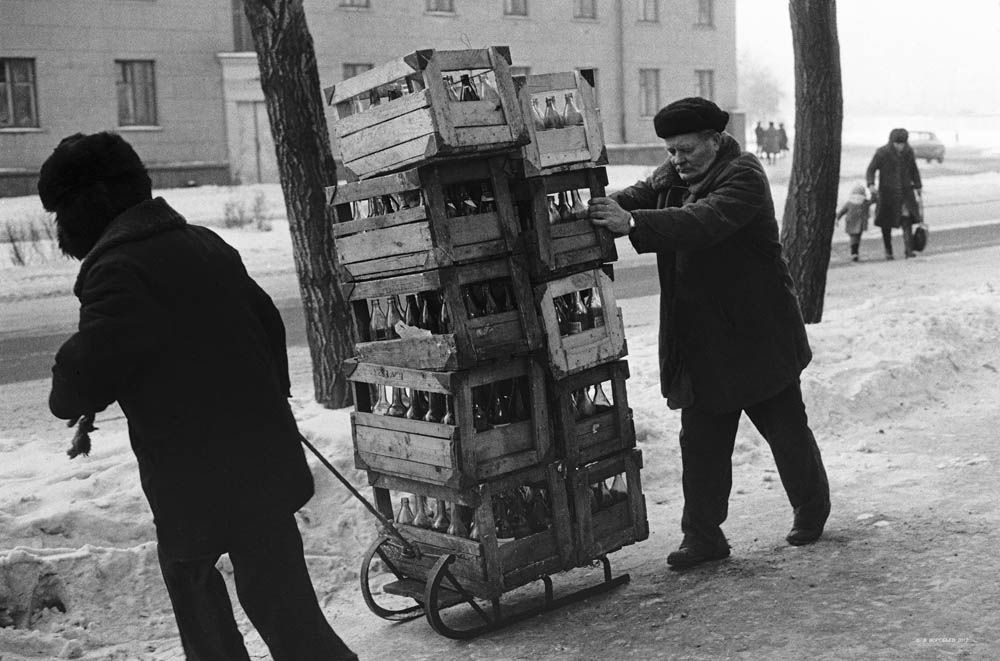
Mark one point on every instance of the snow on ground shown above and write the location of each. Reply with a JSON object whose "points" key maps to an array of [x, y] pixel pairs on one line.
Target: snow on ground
{"points": [[78, 572]]}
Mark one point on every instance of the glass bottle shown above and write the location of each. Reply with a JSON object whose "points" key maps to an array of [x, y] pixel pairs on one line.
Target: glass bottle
{"points": [[449, 86], [411, 315], [468, 206], [441, 520], [571, 114], [582, 312], [607, 498], [474, 531], [555, 216], [596, 310], [394, 318], [450, 204], [480, 406], [405, 514], [501, 514], [536, 116], [500, 410], [449, 411], [376, 322], [459, 515], [420, 518], [538, 512], [562, 318], [468, 90], [553, 120], [435, 407], [563, 208], [393, 92], [397, 409], [471, 306], [619, 491], [444, 318], [574, 316], [487, 92], [585, 404], [489, 303], [418, 405], [576, 206], [428, 320], [518, 411], [595, 498], [519, 515], [373, 98], [382, 401], [487, 202], [601, 401]]}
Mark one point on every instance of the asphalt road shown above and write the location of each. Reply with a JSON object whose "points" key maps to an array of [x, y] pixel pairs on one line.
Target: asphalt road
{"points": [[28, 355]]}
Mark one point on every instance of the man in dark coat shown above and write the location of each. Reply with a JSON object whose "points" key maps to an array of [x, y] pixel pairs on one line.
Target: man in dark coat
{"points": [[732, 337], [898, 188], [174, 329]]}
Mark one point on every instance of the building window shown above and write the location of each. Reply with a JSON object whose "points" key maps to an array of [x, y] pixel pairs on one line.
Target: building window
{"points": [[352, 69], [705, 84], [649, 92], [585, 9], [17, 94], [360, 4], [650, 11], [515, 7], [136, 93], [706, 13], [242, 39], [447, 6]]}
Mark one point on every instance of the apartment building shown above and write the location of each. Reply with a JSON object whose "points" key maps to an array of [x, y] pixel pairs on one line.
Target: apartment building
{"points": [[179, 78]]}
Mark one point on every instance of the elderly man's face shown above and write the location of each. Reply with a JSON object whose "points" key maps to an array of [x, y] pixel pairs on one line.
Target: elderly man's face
{"points": [[692, 153]]}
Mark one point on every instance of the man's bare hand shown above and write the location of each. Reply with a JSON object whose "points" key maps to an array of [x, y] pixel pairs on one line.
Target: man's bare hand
{"points": [[605, 212]]}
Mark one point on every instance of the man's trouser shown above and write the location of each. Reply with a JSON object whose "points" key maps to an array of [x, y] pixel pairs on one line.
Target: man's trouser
{"points": [[707, 441], [274, 588]]}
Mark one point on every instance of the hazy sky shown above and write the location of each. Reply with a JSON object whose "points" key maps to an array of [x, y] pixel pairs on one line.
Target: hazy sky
{"points": [[897, 56]]}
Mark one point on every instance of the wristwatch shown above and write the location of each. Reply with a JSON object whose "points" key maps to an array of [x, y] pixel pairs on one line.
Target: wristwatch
{"points": [[631, 223]]}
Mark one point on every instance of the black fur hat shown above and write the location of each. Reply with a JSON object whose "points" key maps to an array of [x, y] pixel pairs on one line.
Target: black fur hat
{"points": [[690, 115], [899, 135], [81, 160]]}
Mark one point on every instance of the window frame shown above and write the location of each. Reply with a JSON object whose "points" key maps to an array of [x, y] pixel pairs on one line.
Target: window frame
{"points": [[132, 88], [644, 15], [437, 10], [706, 14], [509, 7], [578, 10], [10, 93], [701, 75], [647, 109], [354, 4]]}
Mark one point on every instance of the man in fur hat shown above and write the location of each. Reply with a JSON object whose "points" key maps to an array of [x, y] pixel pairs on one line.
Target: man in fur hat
{"points": [[193, 350], [732, 338]]}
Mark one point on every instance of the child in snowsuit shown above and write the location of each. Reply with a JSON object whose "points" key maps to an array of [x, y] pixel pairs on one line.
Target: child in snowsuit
{"points": [[855, 211]]}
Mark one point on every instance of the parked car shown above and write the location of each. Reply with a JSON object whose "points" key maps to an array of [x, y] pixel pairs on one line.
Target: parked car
{"points": [[926, 145]]}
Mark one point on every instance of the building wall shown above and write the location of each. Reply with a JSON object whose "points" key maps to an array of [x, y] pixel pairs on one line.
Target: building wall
{"points": [[75, 44]]}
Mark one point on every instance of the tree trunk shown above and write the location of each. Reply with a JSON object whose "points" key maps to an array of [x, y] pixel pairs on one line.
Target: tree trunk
{"points": [[290, 80], [807, 227]]}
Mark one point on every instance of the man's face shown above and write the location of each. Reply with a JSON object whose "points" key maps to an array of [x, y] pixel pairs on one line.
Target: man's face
{"points": [[899, 146], [692, 154]]}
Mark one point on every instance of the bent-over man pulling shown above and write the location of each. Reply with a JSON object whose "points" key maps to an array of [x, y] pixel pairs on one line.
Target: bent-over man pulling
{"points": [[732, 339]]}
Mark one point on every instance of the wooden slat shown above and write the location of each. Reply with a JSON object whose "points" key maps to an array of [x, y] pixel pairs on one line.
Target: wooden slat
{"points": [[380, 137], [502, 441], [478, 251], [456, 60], [596, 429], [475, 229], [390, 183], [444, 475], [395, 286], [450, 543], [476, 114], [394, 158], [366, 80], [382, 113], [574, 228], [403, 445], [507, 464], [552, 82], [400, 376], [391, 266], [387, 242], [553, 142], [481, 139], [579, 258], [401, 217], [467, 497], [390, 425], [434, 352]]}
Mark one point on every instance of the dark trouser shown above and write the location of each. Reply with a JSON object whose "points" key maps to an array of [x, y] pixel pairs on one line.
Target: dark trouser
{"points": [[273, 587], [707, 441], [855, 242], [907, 237]]}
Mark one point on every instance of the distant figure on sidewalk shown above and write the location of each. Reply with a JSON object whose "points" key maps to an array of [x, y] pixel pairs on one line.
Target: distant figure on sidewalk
{"points": [[898, 188], [193, 350], [782, 139], [758, 132], [855, 212], [771, 146]]}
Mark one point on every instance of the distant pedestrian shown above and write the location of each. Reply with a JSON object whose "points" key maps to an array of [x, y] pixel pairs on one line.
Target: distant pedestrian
{"points": [[758, 132], [782, 139], [898, 189], [855, 212], [771, 147]]}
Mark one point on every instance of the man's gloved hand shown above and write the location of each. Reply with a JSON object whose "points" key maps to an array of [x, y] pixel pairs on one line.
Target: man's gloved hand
{"points": [[81, 438]]}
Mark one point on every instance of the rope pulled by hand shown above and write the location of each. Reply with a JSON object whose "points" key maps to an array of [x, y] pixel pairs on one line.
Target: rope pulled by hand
{"points": [[81, 437]]}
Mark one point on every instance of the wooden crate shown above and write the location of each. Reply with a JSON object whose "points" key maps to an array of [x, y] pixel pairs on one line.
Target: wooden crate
{"points": [[424, 123], [489, 566], [601, 527], [453, 455], [572, 353], [425, 234], [566, 246], [573, 146], [586, 433], [512, 329]]}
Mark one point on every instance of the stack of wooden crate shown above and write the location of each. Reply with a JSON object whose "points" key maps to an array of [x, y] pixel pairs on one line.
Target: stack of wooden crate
{"points": [[469, 392]]}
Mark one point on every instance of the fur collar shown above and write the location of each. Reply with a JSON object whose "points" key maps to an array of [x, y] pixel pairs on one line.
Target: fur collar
{"points": [[665, 176], [139, 222]]}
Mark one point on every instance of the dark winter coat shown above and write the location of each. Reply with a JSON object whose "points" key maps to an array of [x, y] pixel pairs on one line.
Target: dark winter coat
{"points": [[898, 177], [731, 333], [174, 329]]}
